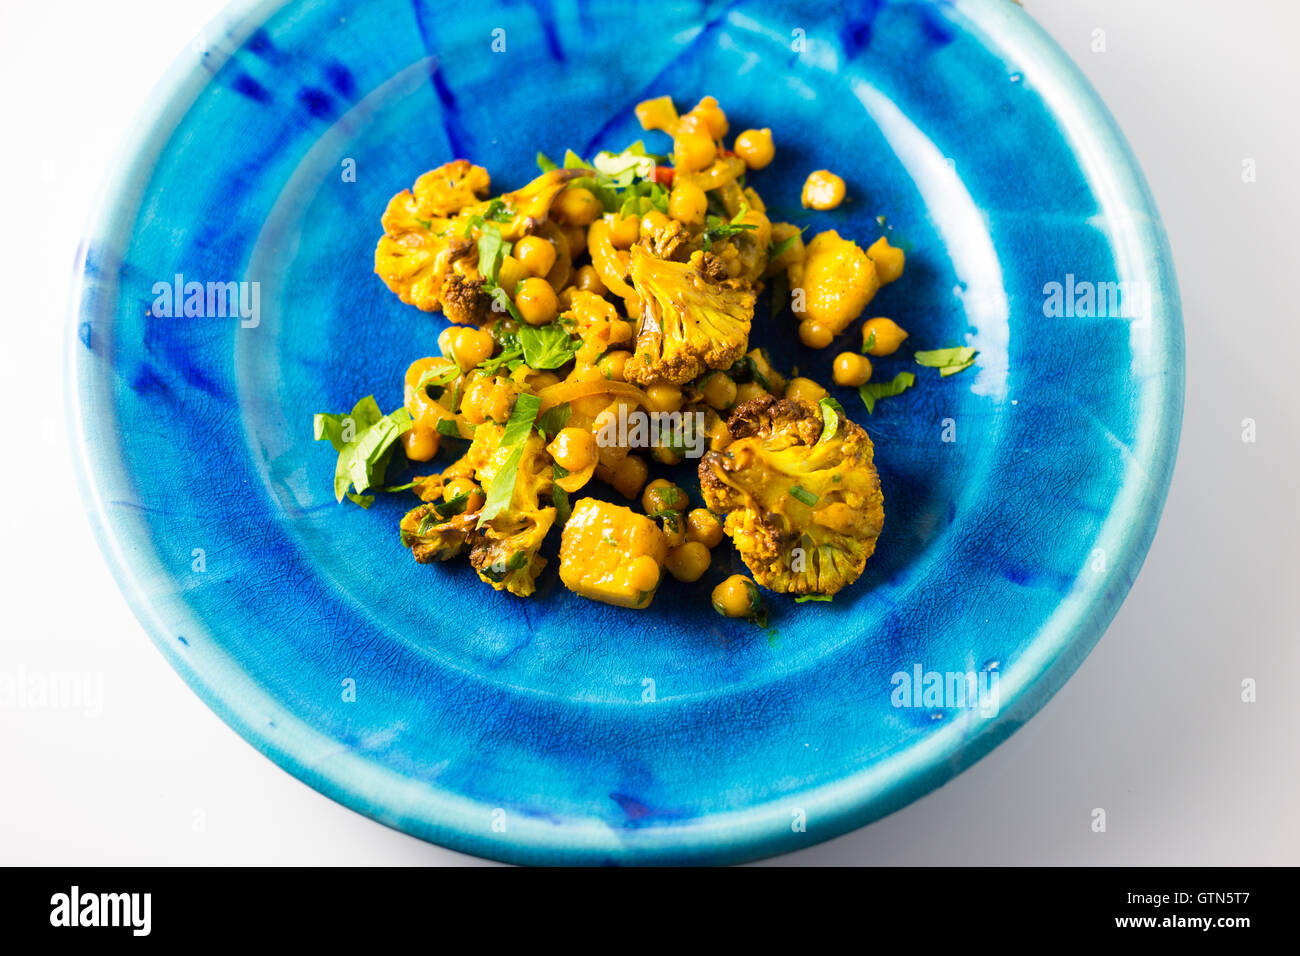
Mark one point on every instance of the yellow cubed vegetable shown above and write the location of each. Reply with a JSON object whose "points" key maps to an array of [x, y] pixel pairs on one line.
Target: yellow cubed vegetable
{"points": [[612, 554], [837, 282]]}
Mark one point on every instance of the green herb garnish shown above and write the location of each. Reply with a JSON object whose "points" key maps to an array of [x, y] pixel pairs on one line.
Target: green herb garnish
{"points": [[451, 427], [547, 346], [869, 342], [948, 361], [776, 250], [807, 497], [874, 391], [552, 421], [491, 250], [440, 511], [715, 227], [438, 377], [364, 439], [811, 597], [560, 497], [832, 412], [516, 433]]}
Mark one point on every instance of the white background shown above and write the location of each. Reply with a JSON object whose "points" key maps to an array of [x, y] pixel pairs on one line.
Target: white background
{"points": [[1151, 728]]}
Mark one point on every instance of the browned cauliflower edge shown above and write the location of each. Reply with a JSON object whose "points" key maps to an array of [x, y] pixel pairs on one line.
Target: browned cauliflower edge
{"points": [[691, 320], [799, 492]]}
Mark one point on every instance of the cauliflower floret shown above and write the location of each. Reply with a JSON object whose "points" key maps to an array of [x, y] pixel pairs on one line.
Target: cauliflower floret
{"points": [[432, 537], [415, 264], [504, 549], [438, 194], [800, 493], [690, 322], [431, 234], [836, 280]]}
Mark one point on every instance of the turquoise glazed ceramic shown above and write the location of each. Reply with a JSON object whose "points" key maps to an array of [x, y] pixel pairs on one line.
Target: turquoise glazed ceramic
{"points": [[1021, 495]]}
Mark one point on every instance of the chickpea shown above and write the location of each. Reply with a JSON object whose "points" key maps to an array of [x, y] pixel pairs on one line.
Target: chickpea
{"points": [[822, 190], [664, 398], [540, 380], [851, 369], [662, 495], [737, 597], [420, 443], [458, 469], [748, 391], [630, 475], [710, 114], [674, 528], [471, 346], [755, 147], [620, 331], [719, 391], [887, 259], [806, 390], [536, 301], [445, 340], [687, 203], [666, 456], [575, 237], [643, 574], [815, 335], [688, 562], [474, 401], [692, 151], [587, 279], [565, 299], [574, 449], [577, 206], [888, 336], [500, 403], [653, 221], [623, 232], [702, 525], [611, 365], [511, 273], [536, 255]]}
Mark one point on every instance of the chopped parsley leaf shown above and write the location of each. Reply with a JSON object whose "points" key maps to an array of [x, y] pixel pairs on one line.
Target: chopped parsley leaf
{"points": [[365, 440], [516, 433], [874, 391]]}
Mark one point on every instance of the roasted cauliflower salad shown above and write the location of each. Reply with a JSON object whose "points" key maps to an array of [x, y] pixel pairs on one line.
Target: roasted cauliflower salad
{"points": [[599, 327]]}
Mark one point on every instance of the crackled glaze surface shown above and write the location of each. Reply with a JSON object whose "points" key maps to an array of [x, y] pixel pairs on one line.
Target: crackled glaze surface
{"points": [[992, 164]]}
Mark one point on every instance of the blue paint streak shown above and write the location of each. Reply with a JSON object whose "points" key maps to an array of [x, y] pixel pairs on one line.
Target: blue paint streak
{"points": [[316, 102], [452, 126], [855, 35], [341, 79], [245, 85]]}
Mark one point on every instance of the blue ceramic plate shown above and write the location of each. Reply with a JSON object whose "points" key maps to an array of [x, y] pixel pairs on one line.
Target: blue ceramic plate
{"points": [[1021, 495]]}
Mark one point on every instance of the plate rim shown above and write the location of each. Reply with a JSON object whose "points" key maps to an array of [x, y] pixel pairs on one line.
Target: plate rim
{"points": [[455, 822]]}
